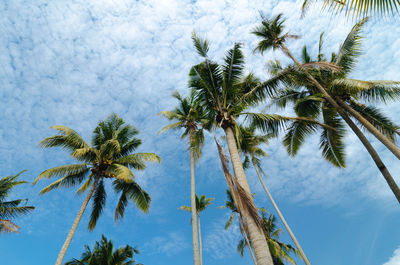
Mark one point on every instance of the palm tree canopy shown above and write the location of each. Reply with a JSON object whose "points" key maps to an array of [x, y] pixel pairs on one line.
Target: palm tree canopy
{"points": [[110, 156], [191, 116], [104, 253], [309, 102], [11, 209], [201, 204]]}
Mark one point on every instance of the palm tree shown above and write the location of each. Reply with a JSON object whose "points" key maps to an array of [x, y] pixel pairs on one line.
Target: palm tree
{"points": [[11, 209], [227, 94], [192, 117], [250, 147], [271, 32], [201, 204], [280, 251], [358, 8], [110, 156], [104, 253]]}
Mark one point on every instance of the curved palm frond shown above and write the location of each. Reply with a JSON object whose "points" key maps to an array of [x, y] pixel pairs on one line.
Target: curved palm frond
{"points": [[99, 202]]}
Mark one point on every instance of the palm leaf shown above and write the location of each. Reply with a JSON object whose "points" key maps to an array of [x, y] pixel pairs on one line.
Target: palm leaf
{"points": [[99, 201], [61, 171]]}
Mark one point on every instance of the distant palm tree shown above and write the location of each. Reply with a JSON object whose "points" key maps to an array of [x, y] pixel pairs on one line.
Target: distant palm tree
{"points": [[280, 251], [201, 204], [104, 253], [191, 116], [358, 8], [11, 209], [272, 36], [250, 147], [110, 156]]}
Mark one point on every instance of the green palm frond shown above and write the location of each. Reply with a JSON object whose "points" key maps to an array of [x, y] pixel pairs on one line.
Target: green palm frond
{"points": [[133, 192], [371, 91], [176, 125], [232, 70], [99, 202], [268, 123], [85, 185], [120, 172], [377, 119], [67, 181], [308, 106], [185, 208], [109, 148], [86, 154], [350, 50], [296, 134], [363, 8], [230, 221], [331, 141], [68, 139], [62, 171], [201, 45]]}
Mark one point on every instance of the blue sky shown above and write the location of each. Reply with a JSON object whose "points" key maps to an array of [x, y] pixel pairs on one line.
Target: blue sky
{"points": [[74, 62]]}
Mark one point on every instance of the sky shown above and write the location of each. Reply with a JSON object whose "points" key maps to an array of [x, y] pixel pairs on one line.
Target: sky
{"points": [[75, 62]]}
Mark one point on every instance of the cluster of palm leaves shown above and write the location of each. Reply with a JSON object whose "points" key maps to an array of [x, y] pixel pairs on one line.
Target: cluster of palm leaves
{"points": [[103, 253]]}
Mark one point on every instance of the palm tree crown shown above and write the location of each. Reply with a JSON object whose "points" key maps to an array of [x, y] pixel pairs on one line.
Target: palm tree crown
{"points": [[103, 253], [201, 204], [110, 156], [11, 209]]}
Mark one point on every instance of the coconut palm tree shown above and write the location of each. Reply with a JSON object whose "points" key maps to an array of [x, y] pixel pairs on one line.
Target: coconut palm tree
{"points": [[280, 251], [358, 8], [272, 36], [11, 209], [103, 253], [227, 94], [191, 116], [109, 157], [250, 147], [201, 204]]}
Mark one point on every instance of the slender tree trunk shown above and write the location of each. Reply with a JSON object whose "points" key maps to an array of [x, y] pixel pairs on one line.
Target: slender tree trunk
{"points": [[78, 218], [382, 168], [200, 243], [382, 138], [256, 235], [303, 255], [193, 206]]}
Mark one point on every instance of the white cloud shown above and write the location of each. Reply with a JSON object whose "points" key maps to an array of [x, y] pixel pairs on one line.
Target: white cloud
{"points": [[395, 259]]}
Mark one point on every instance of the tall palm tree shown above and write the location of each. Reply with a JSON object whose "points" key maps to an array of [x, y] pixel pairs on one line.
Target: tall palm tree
{"points": [[191, 116], [280, 251], [11, 209], [272, 36], [250, 147], [358, 8], [103, 253], [227, 94], [201, 204], [110, 156]]}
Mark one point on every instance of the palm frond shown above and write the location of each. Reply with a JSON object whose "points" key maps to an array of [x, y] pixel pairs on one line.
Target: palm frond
{"points": [[61, 171], [69, 180], [68, 139], [201, 45], [99, 201], [133, 192], [296, 134]]}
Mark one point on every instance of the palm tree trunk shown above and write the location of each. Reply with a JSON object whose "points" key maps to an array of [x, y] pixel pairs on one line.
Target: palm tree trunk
{"points": [[248, 245], [201, 248], [382, 138], [382, 168], [193, 205], [256, 235], [78, 218], [303, 255]]}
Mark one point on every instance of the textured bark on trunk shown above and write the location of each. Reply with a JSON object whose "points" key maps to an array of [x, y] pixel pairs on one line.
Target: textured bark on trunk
{"points": [[303, 255], [374, 131], [256, 235], [193, 206], [201, 247], [78, 218], [249, 246], [382, 168]]}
